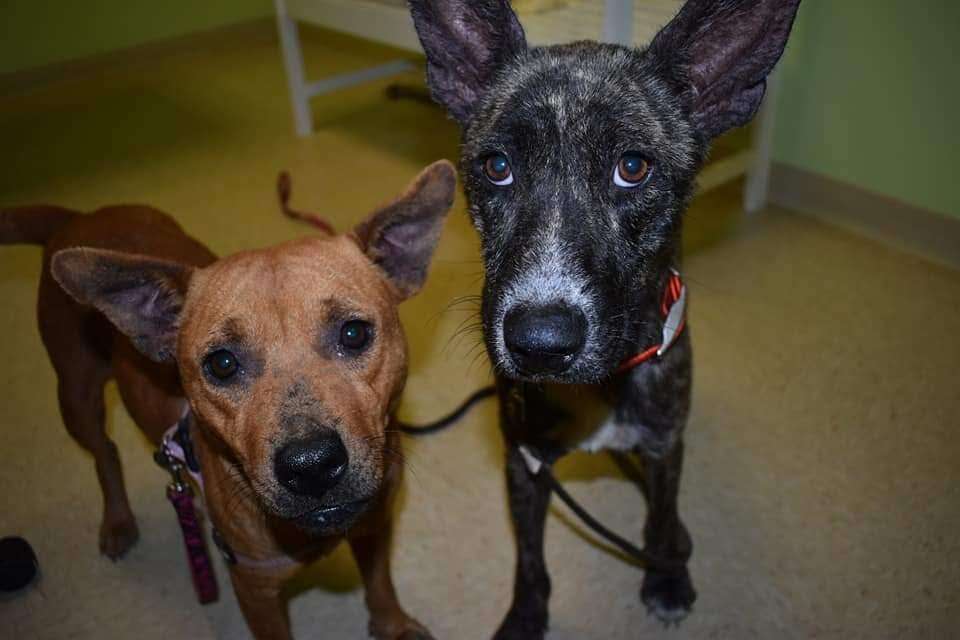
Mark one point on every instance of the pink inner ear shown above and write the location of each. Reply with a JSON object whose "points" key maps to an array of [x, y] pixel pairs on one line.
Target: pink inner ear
{"points": [[465, 42], [150, 305], [147, 311], [730, 47], [403, 249], [400, 238]]}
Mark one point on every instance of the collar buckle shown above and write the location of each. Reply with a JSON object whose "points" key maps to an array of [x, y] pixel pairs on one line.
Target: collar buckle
{"points": [[673, 307]]}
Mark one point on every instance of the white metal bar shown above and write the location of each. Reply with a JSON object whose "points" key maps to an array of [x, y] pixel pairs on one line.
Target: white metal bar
{"points": [[375, 21], [756, 191], [344, 80], [618, 22], [293, 62]]}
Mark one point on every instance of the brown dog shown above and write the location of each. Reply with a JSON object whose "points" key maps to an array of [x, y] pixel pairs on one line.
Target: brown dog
{"points": [[292, 359]]}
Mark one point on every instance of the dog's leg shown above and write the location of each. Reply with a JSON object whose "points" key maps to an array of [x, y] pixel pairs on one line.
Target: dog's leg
{"points": [[529, 497], [388, 620], [669, 593], [80, 393], [81, 376], [258, 593], [78, 344]]}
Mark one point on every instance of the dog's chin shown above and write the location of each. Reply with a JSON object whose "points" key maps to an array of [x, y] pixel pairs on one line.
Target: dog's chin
{"points": [[315, 516], [331, 520]]}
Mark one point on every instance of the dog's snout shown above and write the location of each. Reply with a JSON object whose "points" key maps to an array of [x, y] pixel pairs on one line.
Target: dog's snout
{"points": [[312, 466], [544, 339]]}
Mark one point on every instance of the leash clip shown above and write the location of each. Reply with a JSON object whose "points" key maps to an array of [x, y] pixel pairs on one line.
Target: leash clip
{"points": [[171, 456], [166, 460]]}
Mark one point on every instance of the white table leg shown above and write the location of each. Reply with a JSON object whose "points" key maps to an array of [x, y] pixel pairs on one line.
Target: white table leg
{"points": [[293, 61]]}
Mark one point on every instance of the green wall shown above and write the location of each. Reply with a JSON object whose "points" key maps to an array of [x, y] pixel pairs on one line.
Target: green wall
{"points": [[34, 33], [870, 95], [870, 89]]}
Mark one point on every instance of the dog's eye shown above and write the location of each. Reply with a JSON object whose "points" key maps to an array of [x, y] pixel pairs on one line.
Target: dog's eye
{"points": [[355, 335], [222, 364], [632, 171], [497, 168]]}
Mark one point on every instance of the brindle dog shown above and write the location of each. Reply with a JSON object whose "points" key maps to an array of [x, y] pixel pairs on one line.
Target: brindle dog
{"points": [[578, 161]]}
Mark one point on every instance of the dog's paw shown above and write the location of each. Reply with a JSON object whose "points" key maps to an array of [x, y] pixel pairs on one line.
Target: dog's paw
{"points": [[116, 538], [670, 597], [402, 628], [520, 625]]}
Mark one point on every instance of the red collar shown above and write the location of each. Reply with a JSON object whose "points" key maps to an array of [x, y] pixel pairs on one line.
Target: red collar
{"points": [[673, 306]]}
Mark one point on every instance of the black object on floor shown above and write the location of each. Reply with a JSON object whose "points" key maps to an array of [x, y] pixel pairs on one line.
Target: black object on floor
{"points": [[18, 564]]}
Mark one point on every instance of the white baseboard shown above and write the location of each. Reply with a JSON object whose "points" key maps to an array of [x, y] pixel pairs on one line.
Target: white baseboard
{"points": [[931, 235]]}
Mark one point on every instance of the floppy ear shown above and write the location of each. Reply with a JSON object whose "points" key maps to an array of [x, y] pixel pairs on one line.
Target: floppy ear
{"points": [[400, 237], [141, 296], [719, 53], [466, 41]]}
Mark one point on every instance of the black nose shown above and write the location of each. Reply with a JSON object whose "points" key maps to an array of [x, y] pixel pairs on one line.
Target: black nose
{"points": [[544, 339], [312, 466]]}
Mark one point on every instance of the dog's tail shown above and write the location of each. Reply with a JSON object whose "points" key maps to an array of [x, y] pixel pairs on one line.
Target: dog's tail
{"points": [[449, 419], [32, 224], [284, 191]]}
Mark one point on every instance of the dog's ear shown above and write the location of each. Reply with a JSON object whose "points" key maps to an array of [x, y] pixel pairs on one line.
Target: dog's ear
{"points": [[718, 53], [466, 41], [400, 237], [141, 296]]}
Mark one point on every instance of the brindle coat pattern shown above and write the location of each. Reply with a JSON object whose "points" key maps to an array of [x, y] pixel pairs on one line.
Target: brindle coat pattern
{"points": [[564, 232], [125, 293]]}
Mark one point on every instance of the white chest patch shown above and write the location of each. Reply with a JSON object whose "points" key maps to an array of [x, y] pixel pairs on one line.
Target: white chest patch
{"points": [[613, 435]]}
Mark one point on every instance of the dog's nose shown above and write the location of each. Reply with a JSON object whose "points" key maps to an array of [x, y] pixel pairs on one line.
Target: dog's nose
{"points": [[312, 466], [544, 339]]}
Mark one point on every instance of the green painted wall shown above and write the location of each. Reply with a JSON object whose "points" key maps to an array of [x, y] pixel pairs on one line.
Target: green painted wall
{"points": [[34, 33], [870, 89], [870, 95]]}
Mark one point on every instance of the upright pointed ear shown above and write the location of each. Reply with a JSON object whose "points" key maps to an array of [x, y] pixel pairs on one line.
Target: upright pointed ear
{"points": [[719, 53], [141, 296], [466, 41], [400, 237]]}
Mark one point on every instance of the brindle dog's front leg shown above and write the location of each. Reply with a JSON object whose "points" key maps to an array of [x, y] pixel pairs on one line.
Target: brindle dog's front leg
{"points": [[529, 497], [658, 399], [668, 593], [523, 417]]}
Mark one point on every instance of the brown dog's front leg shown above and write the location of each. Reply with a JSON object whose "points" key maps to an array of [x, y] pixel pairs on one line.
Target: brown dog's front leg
{"points": [[258, 593], [529, 498], [388, 620]]}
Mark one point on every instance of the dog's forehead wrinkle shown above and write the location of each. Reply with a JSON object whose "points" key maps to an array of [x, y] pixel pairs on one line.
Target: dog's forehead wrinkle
{"points": [[229, 330]]}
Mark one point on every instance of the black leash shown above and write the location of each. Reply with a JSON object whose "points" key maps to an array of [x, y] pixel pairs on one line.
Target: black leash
{"points": [[449, 419], [648, 559], [536, 466]]}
